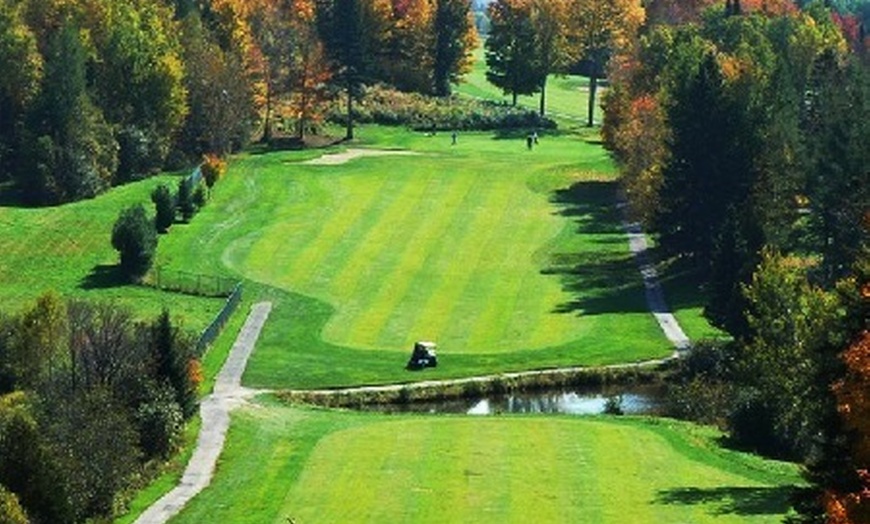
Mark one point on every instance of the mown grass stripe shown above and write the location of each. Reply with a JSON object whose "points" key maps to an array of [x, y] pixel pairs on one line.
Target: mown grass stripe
{"points": [[401, 260]]}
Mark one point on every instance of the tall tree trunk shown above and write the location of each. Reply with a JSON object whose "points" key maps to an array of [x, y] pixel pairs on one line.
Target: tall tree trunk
{"points": [[593, 88], [349, 134], [543, 96], [267, 127]]}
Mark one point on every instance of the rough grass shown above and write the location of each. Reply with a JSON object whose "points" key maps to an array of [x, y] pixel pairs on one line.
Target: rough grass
{"points": [[68, 249], [316, 466], [508, 258]]}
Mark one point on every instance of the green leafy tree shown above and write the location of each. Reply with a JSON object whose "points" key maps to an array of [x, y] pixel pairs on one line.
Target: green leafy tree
{"points": [[72, 154], [26, 467], [11, 511], [510, 48], [794, 329], [172, 352], [21, 64], [135, 239], [139, 78], [455, 38]]}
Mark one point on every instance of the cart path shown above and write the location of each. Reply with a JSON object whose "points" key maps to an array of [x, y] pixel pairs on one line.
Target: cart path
{"points": [[215, 412], [655, 297]]}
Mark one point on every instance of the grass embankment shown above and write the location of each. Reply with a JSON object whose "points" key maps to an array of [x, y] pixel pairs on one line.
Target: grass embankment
{"points": [[318, 466], [68, 249], [510, 259]]}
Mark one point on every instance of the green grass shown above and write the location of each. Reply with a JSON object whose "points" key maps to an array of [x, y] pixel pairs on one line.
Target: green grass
{"points": [[68, 249], [567, 96], [319, 466], [509, 259]]}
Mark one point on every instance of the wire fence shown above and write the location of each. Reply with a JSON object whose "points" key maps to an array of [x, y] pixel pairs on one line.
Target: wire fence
{"points": [[214, 329], [192, 283]]}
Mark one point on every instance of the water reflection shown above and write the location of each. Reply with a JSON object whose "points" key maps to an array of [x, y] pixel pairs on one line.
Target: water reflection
{"points": [[631, 400]]}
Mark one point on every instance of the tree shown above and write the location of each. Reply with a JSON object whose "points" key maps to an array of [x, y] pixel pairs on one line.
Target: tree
{"points": [[455, 38], [22, 66], [308, 69], [184, 199], [139, 78], [793, 328], [220, 93], [164, 206], [551, 52], [172, 353], [408, 59], [135, 239], [342, 31], [72, 153], [510, 48], [39, 345], [597, 28], [11, 511]]}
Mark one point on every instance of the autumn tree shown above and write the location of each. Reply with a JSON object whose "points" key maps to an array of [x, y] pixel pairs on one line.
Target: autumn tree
{"points": [[408, 57], [596, 30], [549, 19], [308, 69], [220, 92], [510, 48]]}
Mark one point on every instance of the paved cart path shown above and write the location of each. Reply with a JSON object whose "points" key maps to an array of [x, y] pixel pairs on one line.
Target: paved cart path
{"points": [[215, 412]]}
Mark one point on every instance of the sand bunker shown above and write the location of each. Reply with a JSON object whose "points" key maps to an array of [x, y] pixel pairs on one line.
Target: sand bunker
{"points": [[334, 159]]}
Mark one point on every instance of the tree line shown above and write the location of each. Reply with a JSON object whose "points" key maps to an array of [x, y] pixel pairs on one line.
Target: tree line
{"points": [[742, 131], [91, 402], [98, 93]]}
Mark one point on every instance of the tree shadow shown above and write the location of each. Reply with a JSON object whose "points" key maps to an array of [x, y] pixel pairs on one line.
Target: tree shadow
{"points": [[104, 276], [603, 280], [732, 500], [592, 204]]}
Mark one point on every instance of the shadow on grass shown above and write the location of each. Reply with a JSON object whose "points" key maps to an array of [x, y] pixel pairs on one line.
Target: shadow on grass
{"points": [[732, 500], [602, 280], [104, 276]]}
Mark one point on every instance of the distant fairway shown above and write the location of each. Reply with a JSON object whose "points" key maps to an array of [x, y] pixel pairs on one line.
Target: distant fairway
{"points": [[508, 258], [314, 467]]}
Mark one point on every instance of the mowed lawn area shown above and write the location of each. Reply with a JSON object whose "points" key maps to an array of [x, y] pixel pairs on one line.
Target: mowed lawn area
{"points": [[507, 258], [284, 463]]}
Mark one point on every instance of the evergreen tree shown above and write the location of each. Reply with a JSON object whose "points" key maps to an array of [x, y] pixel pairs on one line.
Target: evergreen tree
{"points": [[135, 239], [454, 36]]}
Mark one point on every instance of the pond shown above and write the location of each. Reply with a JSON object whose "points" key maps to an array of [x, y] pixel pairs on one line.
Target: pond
{"points": [[631, 399]]}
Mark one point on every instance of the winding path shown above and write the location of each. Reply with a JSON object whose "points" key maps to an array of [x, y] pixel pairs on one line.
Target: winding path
{"points": [[215, 412]]}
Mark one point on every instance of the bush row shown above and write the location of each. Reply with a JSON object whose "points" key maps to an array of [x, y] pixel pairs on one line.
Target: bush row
{"points": [[134, 236], [381, 105]]}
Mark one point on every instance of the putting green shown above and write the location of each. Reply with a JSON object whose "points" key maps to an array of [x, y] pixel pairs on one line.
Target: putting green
{"points": [[282, 463]]}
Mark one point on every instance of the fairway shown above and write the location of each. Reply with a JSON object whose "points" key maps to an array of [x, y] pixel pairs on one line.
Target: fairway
{"points": [[315, 466], [507, 258]]}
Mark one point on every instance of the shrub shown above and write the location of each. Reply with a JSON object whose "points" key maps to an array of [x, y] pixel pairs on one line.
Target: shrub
{"points": [[213, 168], [164, 205], [200, 196], [184, 201], [381, 105], [135, 238], [160, 423]]}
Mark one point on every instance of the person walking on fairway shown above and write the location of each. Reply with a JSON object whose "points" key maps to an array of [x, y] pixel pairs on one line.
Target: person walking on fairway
{"points": [[529, 142]]}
